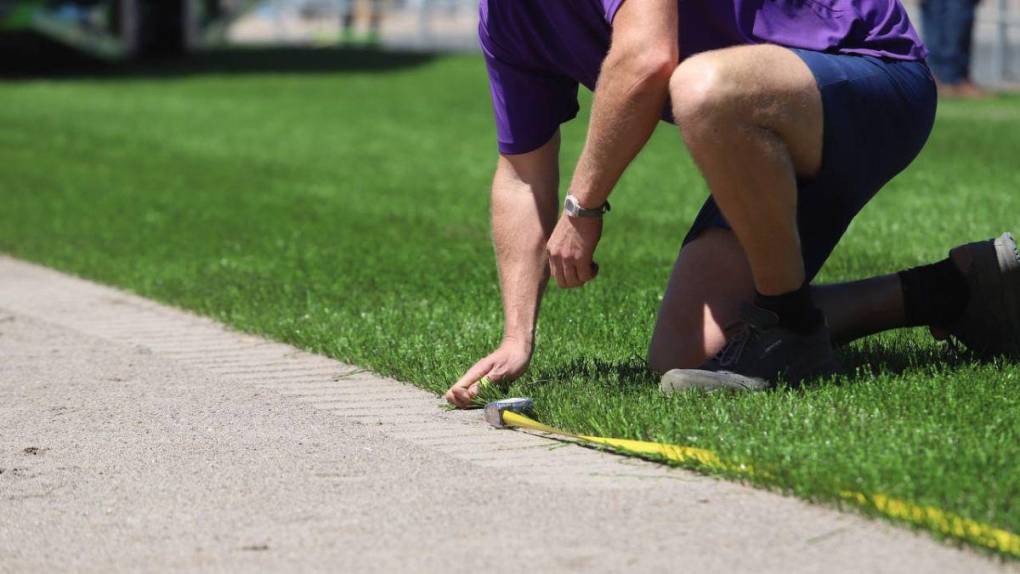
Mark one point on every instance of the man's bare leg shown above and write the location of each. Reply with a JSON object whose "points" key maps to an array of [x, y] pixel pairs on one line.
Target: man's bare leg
{"points": [[712, 279], [751, 117]]}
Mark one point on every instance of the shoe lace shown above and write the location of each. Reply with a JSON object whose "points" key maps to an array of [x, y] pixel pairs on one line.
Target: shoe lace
{"points": [[738, 336]]}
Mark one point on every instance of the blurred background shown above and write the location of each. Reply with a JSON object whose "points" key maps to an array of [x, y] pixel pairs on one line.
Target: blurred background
{"points": [[133, 29]]}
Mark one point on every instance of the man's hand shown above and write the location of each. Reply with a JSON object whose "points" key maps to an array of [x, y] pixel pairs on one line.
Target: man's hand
{"points": [[505, 364], [572, 249], [524, 207]]}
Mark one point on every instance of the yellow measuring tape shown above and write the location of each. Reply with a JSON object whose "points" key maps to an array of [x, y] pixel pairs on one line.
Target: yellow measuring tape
{"points": [[941, 521]]}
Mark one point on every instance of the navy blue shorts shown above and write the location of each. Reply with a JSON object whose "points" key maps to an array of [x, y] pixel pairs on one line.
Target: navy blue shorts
{"points": [[878, 114]]}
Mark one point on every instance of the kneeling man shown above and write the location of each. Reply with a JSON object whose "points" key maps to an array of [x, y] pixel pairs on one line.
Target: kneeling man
{"points": [[796, 112]]}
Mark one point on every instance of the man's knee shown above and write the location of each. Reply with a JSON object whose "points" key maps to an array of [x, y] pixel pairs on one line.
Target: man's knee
{"points": [[702, 89], [670, 349], [710, 280], [662, 356], [657, 359], [721, 93]]}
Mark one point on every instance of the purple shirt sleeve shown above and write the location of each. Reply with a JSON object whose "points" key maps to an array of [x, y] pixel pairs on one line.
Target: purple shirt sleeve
{"points": [[610, 7], [529, 103]]}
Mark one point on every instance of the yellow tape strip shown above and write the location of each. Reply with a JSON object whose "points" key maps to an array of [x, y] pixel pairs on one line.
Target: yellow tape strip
{"points": [[675, 453], [941, 521]]}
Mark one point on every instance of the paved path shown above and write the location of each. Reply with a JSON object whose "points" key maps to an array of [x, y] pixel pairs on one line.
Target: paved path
{"points": [[138, 437]]}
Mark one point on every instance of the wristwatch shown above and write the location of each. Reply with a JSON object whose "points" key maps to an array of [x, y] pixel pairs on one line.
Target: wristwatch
{"points": [[573, 208]]}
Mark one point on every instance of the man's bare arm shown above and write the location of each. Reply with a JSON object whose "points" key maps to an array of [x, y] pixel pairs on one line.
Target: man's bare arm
{"points": [[631, 92], [525, 196], [524, 205]]}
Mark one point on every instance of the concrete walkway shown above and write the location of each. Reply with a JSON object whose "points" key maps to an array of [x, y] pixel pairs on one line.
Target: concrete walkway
{"points": [[138, 437]]}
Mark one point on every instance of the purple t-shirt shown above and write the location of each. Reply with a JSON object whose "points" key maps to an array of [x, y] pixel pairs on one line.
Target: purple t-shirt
{"points": [[539, 51]]}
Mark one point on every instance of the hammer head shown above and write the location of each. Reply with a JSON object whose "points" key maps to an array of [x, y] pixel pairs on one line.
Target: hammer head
{"points": [[494, 410]]}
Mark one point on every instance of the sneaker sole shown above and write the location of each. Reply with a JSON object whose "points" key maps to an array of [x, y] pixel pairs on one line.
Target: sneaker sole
{"points": [[1009, 266], [998, 280], [682, 380]]}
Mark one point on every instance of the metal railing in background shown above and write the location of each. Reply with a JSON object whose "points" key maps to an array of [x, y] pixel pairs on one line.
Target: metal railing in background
{"points": [[428, 25], [119, 29], [1005, 20], [444, 25], [437, 15], [996, 49], [996, 40]]}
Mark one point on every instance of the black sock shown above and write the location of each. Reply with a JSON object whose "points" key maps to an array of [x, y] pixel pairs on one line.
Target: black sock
{"points": [[934, 295], [796, 310]]}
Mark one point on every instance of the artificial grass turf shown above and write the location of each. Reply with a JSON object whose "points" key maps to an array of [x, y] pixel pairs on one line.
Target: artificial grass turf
{"points": [[344, 209]]}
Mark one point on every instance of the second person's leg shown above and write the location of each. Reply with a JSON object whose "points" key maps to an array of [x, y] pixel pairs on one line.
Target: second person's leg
{"points": [[934, 22], [974, 294]]}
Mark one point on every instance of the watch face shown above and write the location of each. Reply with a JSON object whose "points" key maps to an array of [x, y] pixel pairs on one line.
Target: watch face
{"points": [[570, 205]]}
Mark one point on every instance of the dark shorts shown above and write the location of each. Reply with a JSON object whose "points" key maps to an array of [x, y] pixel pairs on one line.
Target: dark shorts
{"points": [[878, 114]]}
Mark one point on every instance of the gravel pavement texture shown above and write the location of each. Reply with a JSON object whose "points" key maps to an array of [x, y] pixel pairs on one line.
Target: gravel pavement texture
{"points": [[136, 437]]}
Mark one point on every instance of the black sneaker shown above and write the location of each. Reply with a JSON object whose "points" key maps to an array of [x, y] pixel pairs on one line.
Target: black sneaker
{"points": [[990, 324], [758, 353]]}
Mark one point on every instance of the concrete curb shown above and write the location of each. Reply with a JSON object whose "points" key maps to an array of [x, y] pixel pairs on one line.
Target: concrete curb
{"points": [[398, 410]]}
